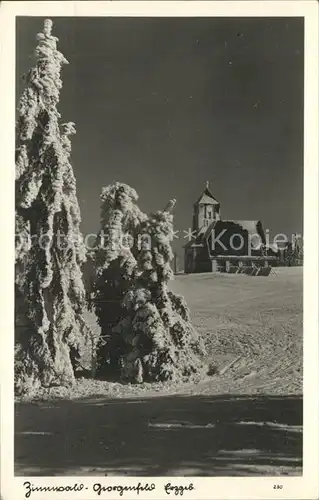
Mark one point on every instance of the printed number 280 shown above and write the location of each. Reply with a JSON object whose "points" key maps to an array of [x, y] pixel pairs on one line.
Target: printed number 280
{"points": [[278, 486]]}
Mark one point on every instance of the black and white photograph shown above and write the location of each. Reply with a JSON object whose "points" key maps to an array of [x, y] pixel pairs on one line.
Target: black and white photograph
{"points": [[159, 207]]}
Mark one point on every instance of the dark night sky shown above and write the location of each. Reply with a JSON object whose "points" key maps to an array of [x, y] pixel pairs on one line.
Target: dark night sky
{"points": [[164, 104]]}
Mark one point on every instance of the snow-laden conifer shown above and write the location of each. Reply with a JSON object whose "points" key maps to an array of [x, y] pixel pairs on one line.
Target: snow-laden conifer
{"points": [[115, 266], [49, 245], [150, 337]]}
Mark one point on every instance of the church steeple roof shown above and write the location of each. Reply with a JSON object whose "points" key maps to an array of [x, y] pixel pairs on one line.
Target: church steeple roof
{"points": [[206, 197]]}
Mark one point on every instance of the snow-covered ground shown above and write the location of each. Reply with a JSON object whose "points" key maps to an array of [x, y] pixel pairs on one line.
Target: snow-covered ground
{"points": [[254, 321], [244, 420]]}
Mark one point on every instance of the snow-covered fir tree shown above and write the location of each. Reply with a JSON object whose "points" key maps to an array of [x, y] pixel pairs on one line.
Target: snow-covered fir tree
{"points": [[115, 267], [147, 327], [50, 295]]}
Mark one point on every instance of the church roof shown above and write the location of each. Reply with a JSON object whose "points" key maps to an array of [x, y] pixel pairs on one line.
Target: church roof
{"points": [[253, 227], [249, 225], [207, 197]]}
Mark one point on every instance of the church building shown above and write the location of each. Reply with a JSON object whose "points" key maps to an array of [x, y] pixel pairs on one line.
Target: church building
{"points": [[225, 245]]}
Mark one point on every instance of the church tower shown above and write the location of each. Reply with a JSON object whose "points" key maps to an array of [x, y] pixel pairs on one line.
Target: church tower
{"points": [[206, 210]]}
